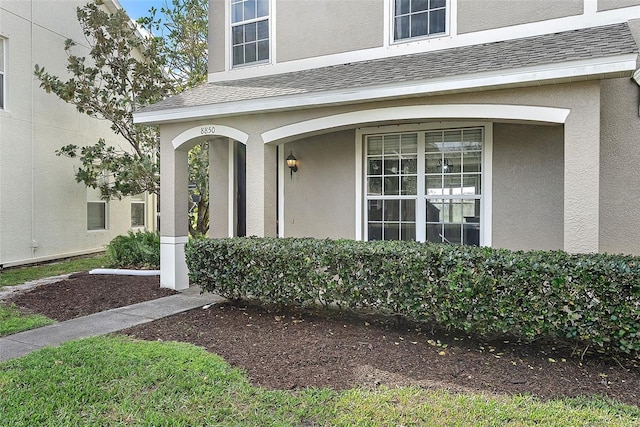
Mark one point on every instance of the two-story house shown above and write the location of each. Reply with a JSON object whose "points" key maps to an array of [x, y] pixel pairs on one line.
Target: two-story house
{"points": [[44, 213], [506, 123]]}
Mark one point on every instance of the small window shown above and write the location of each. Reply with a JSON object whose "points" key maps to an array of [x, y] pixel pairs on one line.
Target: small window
{"points": [[138, 209], [96, 216], [97, 210], [2, 74], [419, 18], [249, 31]]}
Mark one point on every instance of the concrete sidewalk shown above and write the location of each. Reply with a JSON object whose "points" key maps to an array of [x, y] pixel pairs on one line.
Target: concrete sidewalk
{"points": [[102, 323]]}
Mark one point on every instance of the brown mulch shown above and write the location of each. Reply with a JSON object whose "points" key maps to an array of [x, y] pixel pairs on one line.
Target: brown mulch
{"points": [[288, 349]]}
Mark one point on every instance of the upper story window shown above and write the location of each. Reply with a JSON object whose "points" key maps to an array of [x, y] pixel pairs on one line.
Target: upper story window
{"points": [[2, 83], [249, 31], [419, 18]]}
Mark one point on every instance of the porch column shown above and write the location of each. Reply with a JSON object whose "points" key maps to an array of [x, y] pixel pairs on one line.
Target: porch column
{"points": [[582, 176], [221, 216], [174, 216], [261, 188]]}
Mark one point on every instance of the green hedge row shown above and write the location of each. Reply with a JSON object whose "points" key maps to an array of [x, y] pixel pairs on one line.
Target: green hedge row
{"points": [[587, 299]]}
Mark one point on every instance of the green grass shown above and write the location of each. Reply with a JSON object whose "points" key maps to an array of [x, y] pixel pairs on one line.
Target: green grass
{"points": [[18, 275], [13, 321], [117, 381]]}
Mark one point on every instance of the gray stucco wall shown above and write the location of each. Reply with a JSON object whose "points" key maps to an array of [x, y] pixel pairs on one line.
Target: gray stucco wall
{"points": [[528, 164], [300, 22], [616, 4], [320, 199], [619, 172], [474, 15], [216, 35]]}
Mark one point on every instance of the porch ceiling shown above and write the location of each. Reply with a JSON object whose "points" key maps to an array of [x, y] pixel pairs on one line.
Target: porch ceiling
{"points": [[598, 52]]}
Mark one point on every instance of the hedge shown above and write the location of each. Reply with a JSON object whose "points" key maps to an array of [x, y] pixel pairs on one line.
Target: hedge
{"points": [[135, 250], [588, 299]]}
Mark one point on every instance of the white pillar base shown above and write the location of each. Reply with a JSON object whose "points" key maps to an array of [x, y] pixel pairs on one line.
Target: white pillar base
{"points": [[173, 266]]}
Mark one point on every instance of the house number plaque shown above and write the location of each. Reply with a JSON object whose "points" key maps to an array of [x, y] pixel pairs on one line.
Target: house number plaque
{"points": [[207, 130]]}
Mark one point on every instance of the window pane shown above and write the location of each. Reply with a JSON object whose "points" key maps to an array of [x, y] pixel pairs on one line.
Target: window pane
{"points": [[263, 30], [437, 21], [472, 161], [250, 32], [408, 232], [471, 185], [375, 231], [452, 211], [374, 145], [408, 210], [434, 210], [236, 12], [409, 165], [471, 210], [392, 231], [250, 54], [402, 28], [249, 9], [96, 216], [419, 24], [263, 50], [452, 185], [409, 143], [433, 163], [238, 55], [433, 233], [375, 210], [409, 185], [434, 185], [263, 8], [375, 166], [452, 233], [374, 186], [392, 210], [438, 3], [391, 186], [402, 7], [471, 234], [391, 166], [137, 214], [419, 5], [237, 35], [392, 144]]}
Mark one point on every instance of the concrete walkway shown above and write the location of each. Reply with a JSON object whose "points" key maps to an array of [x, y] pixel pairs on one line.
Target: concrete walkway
{"points": [[102, 323]]}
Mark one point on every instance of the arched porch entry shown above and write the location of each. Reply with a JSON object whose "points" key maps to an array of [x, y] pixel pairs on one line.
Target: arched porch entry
{"points": [[227, 193]]}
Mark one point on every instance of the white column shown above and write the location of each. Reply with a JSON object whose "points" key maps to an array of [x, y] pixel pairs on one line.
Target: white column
{"points": [[261, 188], [174, 216], [221, 179], [582, 177]]}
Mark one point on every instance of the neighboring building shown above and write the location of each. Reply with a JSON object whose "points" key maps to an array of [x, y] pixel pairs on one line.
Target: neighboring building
{"points": [[44, 213], [507, 123]]}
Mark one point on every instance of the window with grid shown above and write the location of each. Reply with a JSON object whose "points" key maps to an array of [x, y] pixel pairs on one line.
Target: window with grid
{"points": [[419, 18], [392, 176], [249, 31], [425, 186], [138, 208], [453, 185], [97, 210]]}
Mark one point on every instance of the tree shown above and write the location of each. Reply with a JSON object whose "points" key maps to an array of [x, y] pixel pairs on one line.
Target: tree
{"points": [[127, 69]]}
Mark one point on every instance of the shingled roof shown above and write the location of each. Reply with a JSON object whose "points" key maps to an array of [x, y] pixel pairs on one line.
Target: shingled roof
{"points": [[575, 45]]}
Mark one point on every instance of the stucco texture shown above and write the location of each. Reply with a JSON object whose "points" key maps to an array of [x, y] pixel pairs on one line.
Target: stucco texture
{"points": [[474, 15], [616, 4]]}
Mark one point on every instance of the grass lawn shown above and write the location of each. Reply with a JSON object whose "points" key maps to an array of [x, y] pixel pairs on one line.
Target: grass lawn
{"points": [[19, 275], [116, 380], [12, 321]]}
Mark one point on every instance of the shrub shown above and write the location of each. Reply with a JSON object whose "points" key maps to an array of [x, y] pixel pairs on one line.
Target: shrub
{"points": [[587, 299], [135, 250]]}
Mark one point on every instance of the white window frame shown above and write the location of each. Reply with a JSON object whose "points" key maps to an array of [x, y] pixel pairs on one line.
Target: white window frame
{"points": [[229, 34], [94, 197], [448, 24], [421, 129], [139, 199]]}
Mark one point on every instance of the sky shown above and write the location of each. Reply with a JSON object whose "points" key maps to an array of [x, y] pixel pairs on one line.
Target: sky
{"points": [[137, 8]]}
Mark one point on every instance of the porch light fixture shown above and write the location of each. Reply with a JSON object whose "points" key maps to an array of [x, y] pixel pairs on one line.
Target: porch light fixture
{"points": [[292, 162]]}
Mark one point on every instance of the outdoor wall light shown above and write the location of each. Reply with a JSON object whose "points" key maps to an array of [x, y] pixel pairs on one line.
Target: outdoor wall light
{"points": [[444, 165], [292, 162]]}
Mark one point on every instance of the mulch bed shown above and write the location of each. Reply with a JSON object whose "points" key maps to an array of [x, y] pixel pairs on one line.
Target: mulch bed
{"points": [[289, 349]]}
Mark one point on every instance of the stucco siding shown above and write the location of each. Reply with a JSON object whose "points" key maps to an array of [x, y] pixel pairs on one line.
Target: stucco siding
{"points": [[217, 30], [527, 186], [474, 15], [616, 4], [619, 174], [320, 199], [300, 24]]}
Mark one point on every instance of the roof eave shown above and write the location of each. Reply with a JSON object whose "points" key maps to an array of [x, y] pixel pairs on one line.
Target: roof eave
{"points": [[591, 69]]}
